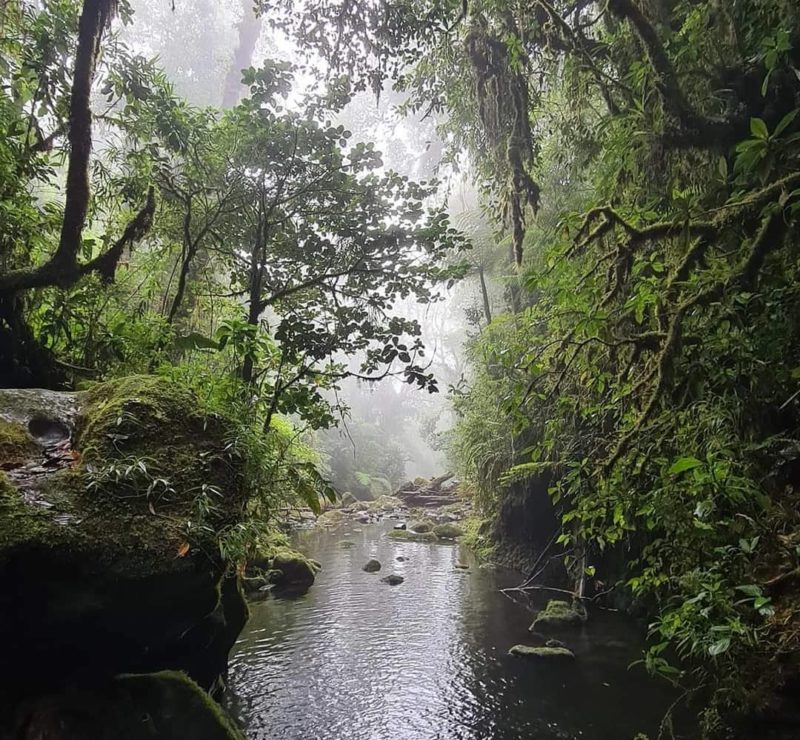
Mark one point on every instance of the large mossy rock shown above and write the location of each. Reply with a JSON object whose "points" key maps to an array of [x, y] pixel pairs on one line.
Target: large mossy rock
{"points": [[165, 705], [284, 568], [103, 567], [558, 616]]}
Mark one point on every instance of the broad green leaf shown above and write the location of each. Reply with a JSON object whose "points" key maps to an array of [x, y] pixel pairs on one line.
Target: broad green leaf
{"points": [[720, 646], [682, 464], [758, 128]]}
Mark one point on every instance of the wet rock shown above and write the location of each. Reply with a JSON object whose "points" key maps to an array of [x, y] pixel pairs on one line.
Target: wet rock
{"points": [[558, 616], [292, 570], [330, 518], [542, 653], [385, 504], [447, 531], [401, 534], [402, 526], [462, 566], [421, 527], [166, 705], [346, 544], [372, 566], [392, 579], [553, 643], [401, 559]]}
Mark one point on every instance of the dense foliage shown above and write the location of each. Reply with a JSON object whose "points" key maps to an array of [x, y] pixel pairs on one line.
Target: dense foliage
{"points": [[643, 157]]}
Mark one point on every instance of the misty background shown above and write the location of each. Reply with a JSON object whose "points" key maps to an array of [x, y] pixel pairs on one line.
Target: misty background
{"points": [[392, 432]]}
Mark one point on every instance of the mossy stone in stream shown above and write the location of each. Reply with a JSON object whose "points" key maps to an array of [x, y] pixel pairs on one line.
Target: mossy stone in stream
{"points": [[281, 566], [542, 653], [392, 579], [447, 531], [165, 705], [422, 526], [558, 616], [404, 534], [371, 566]]}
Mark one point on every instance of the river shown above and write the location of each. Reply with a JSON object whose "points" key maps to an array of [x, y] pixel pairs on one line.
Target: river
{"points": [[356, 659]]}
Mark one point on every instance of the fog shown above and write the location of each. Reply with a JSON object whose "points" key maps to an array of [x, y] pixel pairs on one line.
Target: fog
{"points": [[392, 431]]}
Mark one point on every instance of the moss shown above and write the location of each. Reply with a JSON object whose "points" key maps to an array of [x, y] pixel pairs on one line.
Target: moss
{"points": [[166, 704], [281, 566], [16, 445], [421, 527], [542, 653], [157, 427], [404, 534], [447, 531], [7, 488], [477, 539], [558, 615]]}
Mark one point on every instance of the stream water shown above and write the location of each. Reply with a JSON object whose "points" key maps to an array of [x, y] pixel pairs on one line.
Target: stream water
{"points": [[356, 659]]}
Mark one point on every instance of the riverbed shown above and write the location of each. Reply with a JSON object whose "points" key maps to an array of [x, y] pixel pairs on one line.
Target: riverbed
{"points": [[357, 659]]}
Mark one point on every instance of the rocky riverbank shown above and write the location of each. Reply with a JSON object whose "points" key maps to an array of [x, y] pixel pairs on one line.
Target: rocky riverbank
{"points": [[107, 566]]}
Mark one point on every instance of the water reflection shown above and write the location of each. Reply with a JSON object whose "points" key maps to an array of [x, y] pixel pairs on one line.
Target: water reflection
{"points": [[357, 659]]}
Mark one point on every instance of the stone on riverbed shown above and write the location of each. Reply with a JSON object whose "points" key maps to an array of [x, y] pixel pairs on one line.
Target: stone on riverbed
{"points": [[402, 534], [372, 566], [542, 653], [447, 531], [421, 527], [556, 616], [330, 518], [392, 579]]}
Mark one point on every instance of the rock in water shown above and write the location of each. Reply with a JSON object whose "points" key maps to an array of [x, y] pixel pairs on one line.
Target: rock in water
{"points": [[392, 580], [372, 566], [421, 527], [558, 616], [98, 575], [542, 653], [447, 531]]}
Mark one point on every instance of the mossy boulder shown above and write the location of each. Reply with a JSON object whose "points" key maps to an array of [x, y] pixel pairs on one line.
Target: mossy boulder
{"points": [[404, 534], [542, 653], [422, 526], [166, 705], [558, 616], [103, 568], [371, 566], [281, 567], [448, 531]]}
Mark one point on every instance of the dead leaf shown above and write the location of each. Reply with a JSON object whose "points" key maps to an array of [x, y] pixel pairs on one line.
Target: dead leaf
{"points": [[182, 550]]}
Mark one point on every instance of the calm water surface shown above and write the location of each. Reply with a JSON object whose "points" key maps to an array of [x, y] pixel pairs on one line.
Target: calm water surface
{"points": [[356, 659]]}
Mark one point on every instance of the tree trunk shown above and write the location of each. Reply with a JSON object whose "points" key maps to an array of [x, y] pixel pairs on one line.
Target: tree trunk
{"points": [[249, 31], [487, 309]]}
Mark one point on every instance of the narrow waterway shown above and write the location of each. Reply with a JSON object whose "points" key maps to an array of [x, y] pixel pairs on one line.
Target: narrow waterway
{"points": [[356, 659]]}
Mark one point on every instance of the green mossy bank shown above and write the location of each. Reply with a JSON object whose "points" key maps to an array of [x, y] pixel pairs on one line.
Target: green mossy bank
{"points": [[110, 504]]}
